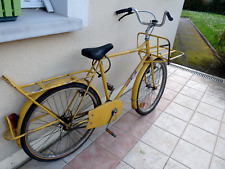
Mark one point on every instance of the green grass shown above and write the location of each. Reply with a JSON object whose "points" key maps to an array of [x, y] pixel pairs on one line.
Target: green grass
{"points": [[211, 25]]}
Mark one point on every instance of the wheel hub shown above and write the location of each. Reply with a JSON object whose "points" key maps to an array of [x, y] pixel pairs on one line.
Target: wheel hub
{"points": [[67, 120]]}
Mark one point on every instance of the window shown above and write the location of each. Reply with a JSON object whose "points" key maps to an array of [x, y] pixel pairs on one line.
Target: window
{"points": [[32, 3], [69, 15]]}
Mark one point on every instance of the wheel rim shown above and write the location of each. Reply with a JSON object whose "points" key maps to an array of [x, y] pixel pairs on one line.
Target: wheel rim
{"points": [[55, 141]]}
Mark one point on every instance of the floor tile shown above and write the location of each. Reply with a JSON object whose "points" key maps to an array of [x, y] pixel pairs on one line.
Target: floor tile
{"points": [[222, 130], [217, 85], [224, 117], [191, 156], [43, 165], [124, 111], [97, 132], [168, 74], [215, 101], [200, 79], [196, 85], [179, 111], [186, 101], [119, 145], [133, 125], [183, 73], [169, 94], [68, 167], [171, 69], [200, 138], [73, 155], [218, 92], [217, 163], [151, 117], [206, 123], [163, 103], [178, 79], [171, 124], [210, 111], [173, 85], [94, 157], [160, 140], [196, 94], [123, 165], [143, 156], [220, 148], [172, 164]]}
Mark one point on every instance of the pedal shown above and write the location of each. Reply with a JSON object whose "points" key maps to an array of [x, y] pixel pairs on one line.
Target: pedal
{"points": [[114, 111], [110, 132]]}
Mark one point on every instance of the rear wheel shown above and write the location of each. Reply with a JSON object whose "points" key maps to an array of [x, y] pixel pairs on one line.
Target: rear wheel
{"points": [[56, 141], [149, 95]]}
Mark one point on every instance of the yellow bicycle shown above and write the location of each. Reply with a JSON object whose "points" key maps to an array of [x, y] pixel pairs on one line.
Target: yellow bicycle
{"points": [[62, 112]]}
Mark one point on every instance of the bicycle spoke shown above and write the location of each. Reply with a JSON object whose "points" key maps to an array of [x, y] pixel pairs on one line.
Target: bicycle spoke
{"points": [[85, 107], [57, 140], [148, 94], [40, 138], [55, 105], [46, 140], [61, 102]]}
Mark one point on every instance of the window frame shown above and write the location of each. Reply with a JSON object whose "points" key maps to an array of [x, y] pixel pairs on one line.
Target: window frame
{"points": [[32, 3]]}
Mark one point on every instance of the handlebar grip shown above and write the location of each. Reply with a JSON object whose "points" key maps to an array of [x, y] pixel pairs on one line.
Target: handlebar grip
{"points": [[124, 10], [169, 16]]}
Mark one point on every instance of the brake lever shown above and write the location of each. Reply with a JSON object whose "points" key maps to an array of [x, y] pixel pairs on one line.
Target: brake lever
{"points": [[129, 13]]}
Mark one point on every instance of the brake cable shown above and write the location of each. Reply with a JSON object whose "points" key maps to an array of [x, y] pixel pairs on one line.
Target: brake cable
{"points": [[129, 13], [99, 74]]}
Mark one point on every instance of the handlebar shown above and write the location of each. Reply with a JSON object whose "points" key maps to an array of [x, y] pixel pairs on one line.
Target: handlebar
{"points": [[133, 10], [169, 16], [124, 10]]}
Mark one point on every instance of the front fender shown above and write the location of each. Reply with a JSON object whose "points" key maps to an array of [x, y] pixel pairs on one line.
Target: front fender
{"points": [[136, 85], [28, 103], [138, 81]]}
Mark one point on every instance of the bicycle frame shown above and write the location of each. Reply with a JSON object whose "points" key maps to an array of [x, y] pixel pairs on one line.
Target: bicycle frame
{"points": [[151, 53]]}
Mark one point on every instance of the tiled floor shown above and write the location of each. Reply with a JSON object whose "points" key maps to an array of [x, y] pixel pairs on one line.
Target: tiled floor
{"points": [[186, 130]]}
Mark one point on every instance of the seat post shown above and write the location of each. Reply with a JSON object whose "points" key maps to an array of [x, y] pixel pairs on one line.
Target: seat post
{"points": [[104, 80]]}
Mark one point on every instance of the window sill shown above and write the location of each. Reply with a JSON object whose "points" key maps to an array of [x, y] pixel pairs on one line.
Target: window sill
{"points": [[35, 23]]}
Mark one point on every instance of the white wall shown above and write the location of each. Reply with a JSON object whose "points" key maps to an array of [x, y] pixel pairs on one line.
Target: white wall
{"points": [[29, 60]]}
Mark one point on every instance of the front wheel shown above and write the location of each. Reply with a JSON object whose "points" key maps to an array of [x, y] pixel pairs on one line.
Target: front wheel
{"points": [[57, 141], [149, 95]]}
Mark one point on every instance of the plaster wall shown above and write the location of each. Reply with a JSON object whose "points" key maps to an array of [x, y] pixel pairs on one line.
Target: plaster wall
{"points": [[30, 60]]}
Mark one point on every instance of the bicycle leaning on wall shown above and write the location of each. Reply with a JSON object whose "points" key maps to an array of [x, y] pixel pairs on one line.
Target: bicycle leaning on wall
{"points": [[62, 113]]}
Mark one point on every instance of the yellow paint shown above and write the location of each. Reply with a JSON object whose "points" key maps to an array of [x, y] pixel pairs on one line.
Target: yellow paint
{"points": [[136, 85], [102, 114], [13, 137], [35, 96]]}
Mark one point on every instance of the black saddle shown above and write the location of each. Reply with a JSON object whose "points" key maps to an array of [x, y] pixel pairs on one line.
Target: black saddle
{"points": [[97, 53]]}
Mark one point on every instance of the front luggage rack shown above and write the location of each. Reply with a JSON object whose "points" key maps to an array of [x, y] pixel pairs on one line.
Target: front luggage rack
{"points": [[161, 48]]}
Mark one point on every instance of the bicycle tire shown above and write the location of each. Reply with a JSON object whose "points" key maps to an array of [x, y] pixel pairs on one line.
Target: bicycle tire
{"points": [[147, 96], [55, 142]]}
